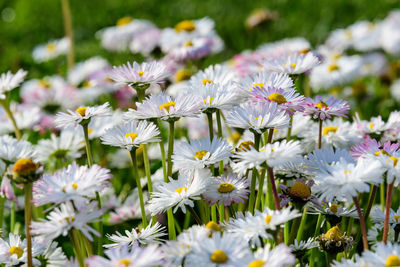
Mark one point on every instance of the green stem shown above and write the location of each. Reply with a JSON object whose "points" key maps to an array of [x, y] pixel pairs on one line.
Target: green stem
{"points": [[170, 215], [77, 248], [68, 32], [136, 174], [6, 106], [320, 134], [260, 190], [148, 173], [12, 217], [28, 218], [219, 124], [370, 201], [316, 233], [195, 216], [362, 223], [2, 201], [221, 211], [293, 230], [140, 94], [302, 223], [214, 213], [87, 143], [289, 132], [210, 126], [254, 173], [100, 228]]}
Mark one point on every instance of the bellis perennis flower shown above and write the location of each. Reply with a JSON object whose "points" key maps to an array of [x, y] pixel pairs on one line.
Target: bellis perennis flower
{"points": [[9, 81], [320, 108]]}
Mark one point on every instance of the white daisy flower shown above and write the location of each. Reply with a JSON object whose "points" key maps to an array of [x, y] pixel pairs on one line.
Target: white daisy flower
{"points": [[390, 30], [146, 41], [227, 190], [217, 74], [303, 245], [138, 75], [265, 79], [201, 153], [99, 125], [260, 225], [219, 250], [131, 134], [333, 209], [384, 255], [272, 155], [291, 63], [9, 81], [295, 44], [377, 216], [347, 179], [26, 117], [81, 115], [138, 237], [215, 96], [67, 146], [280, 256], [12, 150], [165, 107], [64, 218], [191, 49], [82, 70], [375, 234], [50, 50], [179, 193], [129, 257], [258, 117], [75, 183], [14, 251]]}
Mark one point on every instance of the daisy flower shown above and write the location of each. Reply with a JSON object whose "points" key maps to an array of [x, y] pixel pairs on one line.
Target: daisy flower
{"points": [[50, 50], [300, 248], [346, 179], [219, 250], [280, 256], [215, 96], [377, 216], [12, 150], [227, 190], [298, 193], [258, 117], [201, 153], [82, 70], [287, 99], [81, 115], [136, 237], [384, 255], [129, 257], [291, 63], [75, 183], [320, 108], [131, 135], [64, 218], [265, 79], [192, 49], [260, 225], [26, 117], [14, 251], [9, 81], [53, 255], [165, 107], [370, 147], [179, 193], [66, 146], [140, 75], [217, 74]]}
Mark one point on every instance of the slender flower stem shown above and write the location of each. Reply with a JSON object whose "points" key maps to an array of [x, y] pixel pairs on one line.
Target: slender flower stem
{"points": [[6, 106], [28, 218], [273, 187], [362, 223], [170, 215], [219, 124], [389, 195], [68, 32], [87, 143], [147, 167], [77, 247], [195, 216], [2, 201], [12, 217], [254, 173], [320, 134], [260, 190], [300, 231], [293, 230], [289, 132], [139, 186], [210, 126], [316, 233], [370, 201]]}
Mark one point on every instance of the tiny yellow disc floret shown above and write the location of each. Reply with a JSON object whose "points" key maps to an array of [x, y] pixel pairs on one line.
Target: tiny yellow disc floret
{"points": [[219, 256], [17, 251], [392, 260], [226, 188]]}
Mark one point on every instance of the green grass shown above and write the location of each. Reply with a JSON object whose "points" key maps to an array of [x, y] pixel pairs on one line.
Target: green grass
{"points": [[37, 21]]}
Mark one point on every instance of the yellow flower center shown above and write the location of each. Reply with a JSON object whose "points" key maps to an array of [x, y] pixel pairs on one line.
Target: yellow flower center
{"points": [[371, 125], [132, 136], [74, 186], [334, 208], [81, 111], [17, 251], [205, 100], [180, 189], [182, 75], [347, 171], [188, 43], [395, 160], [304, 51], [333, 67], [378, 153], [186, 25], [124, 262], [69, 219], [257, 263], [268, 219], [90, 130], [336, 56], [293, 65], [277, 97], [140, 72], [25, 167], [396, 217], [124, 21], [329, 129], [257, 84], [334, 234], [348, 34], [200, 154], [51, 47], [219, 256], [392, 260], [300, 190], [321, 105], [44, 84], [213, 226], [244, 146], [236, 136], [86, 84], [226, 188], [205, 81], [167, 105]]}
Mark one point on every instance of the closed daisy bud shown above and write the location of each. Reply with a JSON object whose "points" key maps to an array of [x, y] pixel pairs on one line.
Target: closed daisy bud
{"points": [[25, 171], [334, 241]]}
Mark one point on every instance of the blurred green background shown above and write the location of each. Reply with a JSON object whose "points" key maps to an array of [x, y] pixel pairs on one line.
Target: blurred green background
{"points": [[26, 23]]}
